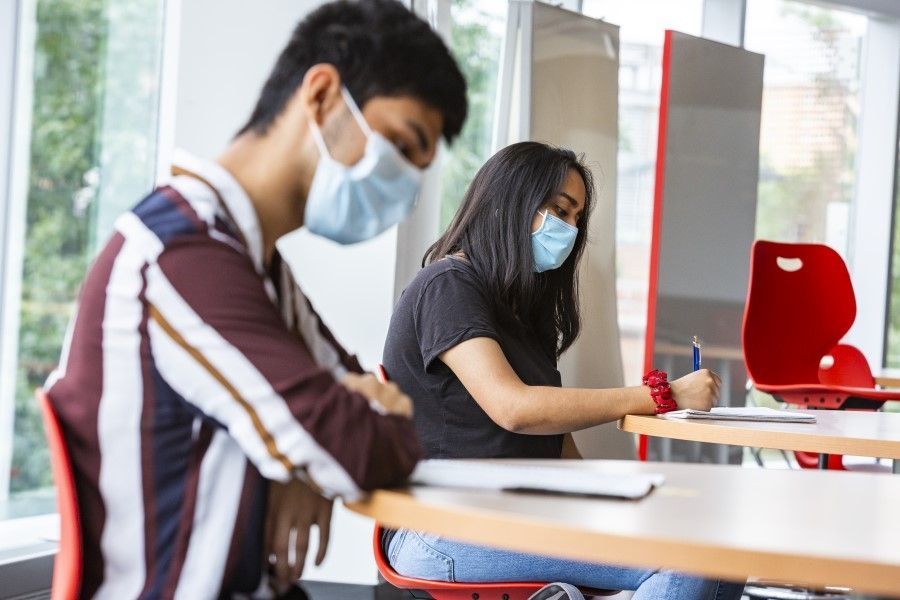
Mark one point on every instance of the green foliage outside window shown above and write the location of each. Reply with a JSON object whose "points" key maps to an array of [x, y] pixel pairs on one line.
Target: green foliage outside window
{"points": [[93, 140], [67, 93], [476, 46]]}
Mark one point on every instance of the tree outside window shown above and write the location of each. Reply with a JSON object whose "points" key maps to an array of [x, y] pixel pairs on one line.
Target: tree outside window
{"points": [[92, 155]]}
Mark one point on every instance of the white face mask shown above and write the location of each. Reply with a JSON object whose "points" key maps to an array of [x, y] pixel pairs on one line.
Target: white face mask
{"points": [[349, 204]]}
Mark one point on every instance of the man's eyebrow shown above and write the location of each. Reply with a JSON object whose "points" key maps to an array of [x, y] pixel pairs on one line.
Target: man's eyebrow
{"points": [[420, 134]]}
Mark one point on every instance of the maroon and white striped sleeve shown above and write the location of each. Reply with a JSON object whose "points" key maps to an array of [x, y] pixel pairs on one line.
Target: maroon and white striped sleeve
{"points": [[218, 340]]}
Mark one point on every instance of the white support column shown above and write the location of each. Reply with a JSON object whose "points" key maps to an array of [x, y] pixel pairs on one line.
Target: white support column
{"points": [[421, 228], [512, 115], [17, 30], [723, 21], [873, 202], [168, 87]]}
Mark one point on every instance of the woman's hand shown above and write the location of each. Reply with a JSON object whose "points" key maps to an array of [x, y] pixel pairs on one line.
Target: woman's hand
{"points": [[698, 390], [386, 396], [293, 509]]}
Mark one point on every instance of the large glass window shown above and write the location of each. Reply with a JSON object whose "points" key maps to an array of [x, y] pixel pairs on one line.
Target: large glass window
{"points": [[892, 351], [643, 24], [809, 115], [476, 37], [95, 96]]}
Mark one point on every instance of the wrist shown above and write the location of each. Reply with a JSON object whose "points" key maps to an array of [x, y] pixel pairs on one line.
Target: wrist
{"points": [[660, 391]]}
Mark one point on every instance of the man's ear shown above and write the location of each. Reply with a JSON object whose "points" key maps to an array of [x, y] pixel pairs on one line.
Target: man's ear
{"points": [[320, 92]]}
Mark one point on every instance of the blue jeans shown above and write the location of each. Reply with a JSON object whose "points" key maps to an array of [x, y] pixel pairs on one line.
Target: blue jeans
{"points": [[436, 558]]}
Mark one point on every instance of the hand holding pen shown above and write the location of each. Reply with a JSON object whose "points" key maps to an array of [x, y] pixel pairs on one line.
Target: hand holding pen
{"points": [[699, 389]]}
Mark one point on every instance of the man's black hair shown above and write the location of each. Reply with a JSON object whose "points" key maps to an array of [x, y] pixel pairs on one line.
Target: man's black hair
{"points": [[379, 48]]}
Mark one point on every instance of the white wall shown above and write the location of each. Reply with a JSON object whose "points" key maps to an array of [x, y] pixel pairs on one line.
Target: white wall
{"points": [[226, 50], [873, 201]]}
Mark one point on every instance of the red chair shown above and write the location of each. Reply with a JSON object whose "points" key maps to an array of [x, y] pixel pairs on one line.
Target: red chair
{"points": [[442, 590], [67, 564], [800, 303]]}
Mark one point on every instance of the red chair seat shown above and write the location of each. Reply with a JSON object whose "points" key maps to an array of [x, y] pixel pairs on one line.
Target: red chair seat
{"points": [[445, 590]]}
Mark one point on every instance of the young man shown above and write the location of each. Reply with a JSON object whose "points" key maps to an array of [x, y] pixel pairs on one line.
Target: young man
{"points": [[195, 370]]}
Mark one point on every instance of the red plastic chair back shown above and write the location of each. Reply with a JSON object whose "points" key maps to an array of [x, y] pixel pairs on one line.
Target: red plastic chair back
{"points": [[67, 564], [444, 590], [800, 303]]}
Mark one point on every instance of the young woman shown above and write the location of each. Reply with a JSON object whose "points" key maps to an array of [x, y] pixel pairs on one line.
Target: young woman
{"points": [[475, 340]]}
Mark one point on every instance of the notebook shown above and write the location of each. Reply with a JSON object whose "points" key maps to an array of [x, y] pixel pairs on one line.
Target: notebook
{"points": [[747, 413], [544, 478]]}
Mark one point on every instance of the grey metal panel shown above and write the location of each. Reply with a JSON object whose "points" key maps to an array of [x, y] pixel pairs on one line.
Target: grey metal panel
{"points": [[708, 207], [711, 170], [574, 87]]}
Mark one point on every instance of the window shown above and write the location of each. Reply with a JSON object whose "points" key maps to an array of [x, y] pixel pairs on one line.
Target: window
{"points": [[641, 36], [809, 115], [892, 352], [92, 154], [476, 38]]}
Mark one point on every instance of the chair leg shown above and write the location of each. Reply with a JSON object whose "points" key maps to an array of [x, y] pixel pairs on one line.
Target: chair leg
{"points": [[757, 455], [787, 459]]}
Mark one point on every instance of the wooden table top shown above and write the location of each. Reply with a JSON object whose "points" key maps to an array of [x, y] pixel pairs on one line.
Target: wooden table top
{"points": [[888, 378], [859, 433], [816, 527]]}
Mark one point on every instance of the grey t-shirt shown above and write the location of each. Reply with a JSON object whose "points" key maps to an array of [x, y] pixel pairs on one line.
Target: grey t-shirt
{"points": [[445, 305]]}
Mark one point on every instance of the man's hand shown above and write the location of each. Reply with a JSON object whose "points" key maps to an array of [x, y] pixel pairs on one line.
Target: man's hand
{"points": [[386, 396], [294, 507], [698, 390]]}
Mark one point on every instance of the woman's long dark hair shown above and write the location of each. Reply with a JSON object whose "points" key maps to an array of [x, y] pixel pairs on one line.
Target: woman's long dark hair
{"points": [[492, 228]]}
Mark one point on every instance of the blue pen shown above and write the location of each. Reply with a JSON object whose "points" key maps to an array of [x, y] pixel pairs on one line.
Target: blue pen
{"points": [[696, 343]]}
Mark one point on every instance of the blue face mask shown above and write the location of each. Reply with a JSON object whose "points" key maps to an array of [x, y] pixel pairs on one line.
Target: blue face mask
{"points": [[552, 243], [349, 204]]}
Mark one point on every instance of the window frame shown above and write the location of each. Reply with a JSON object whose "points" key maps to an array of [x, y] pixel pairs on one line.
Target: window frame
{"points": [[873, 196], [15, 70], [27, 565], [8, 29]]}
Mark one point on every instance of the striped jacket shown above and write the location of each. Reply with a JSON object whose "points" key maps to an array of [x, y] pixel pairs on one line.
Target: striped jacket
{"points": [[190, 376]]}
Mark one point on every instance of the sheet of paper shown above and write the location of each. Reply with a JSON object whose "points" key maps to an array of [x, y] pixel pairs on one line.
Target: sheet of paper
{"points": [[560, 480], [744, 413]]}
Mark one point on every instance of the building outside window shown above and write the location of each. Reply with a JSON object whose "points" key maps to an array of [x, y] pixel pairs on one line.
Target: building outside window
{"points": [[808, 134]]}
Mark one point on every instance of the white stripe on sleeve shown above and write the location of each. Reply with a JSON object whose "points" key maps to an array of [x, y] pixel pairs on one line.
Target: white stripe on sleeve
{"points": [[215, 513], [119, 429], [193, 382]]}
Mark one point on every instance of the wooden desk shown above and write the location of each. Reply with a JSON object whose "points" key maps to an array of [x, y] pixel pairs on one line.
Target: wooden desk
{"points": [[859, 433], [888, 378], [723, 356], [817, 527]]}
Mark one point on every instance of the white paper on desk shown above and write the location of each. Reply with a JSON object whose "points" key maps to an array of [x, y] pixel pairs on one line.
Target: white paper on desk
{"points": [[744, 413], [543, 478]]}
